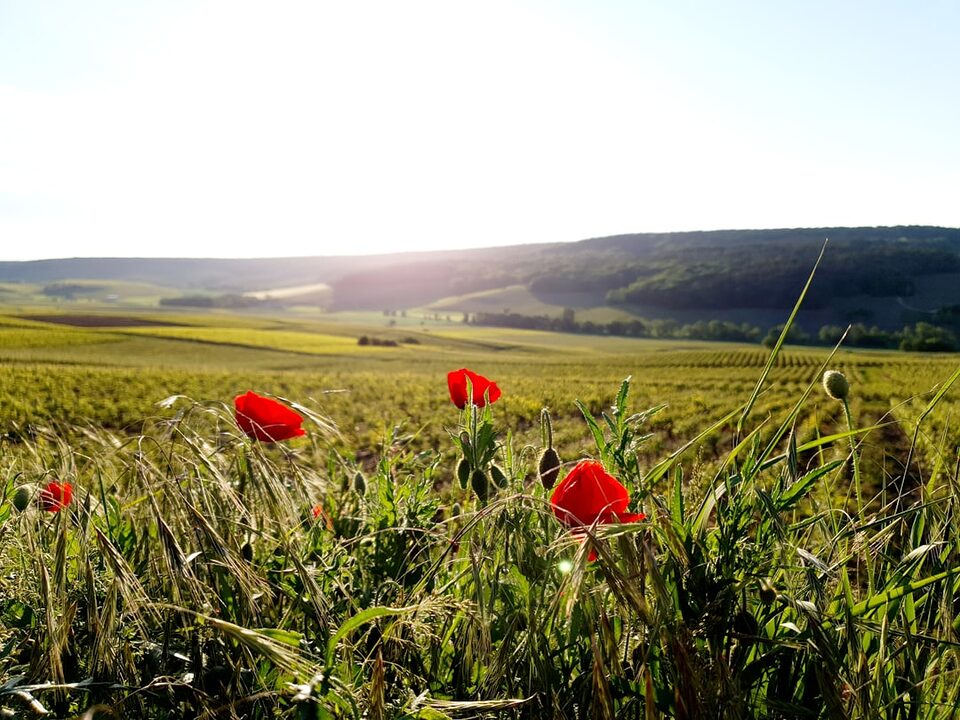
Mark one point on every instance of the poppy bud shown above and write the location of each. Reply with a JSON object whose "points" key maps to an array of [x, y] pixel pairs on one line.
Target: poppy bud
{"points": [[463, 472], [21, 498], [498, 476], [359, 484], [768, 591], [480, 484], [549, 467], [836, 385]]}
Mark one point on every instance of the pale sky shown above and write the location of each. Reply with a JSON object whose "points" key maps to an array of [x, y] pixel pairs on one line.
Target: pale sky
{"points": [[226, 128]]}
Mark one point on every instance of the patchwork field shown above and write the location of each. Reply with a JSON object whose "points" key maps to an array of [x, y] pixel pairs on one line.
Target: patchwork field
{"points": [[112, 368]]}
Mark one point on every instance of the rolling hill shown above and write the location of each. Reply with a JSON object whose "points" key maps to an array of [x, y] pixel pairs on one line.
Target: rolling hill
{"points": [[886, 277]]}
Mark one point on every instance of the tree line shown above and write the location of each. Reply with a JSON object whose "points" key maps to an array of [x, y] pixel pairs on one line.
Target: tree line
{"points": [[921, 336]]}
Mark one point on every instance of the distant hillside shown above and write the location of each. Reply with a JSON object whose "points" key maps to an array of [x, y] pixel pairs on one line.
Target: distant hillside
{"points": [[882, 276], [191, 273], [886, 276]]}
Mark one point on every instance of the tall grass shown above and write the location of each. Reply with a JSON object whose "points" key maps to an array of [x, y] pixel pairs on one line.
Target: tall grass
{"points": [[199, 574]]}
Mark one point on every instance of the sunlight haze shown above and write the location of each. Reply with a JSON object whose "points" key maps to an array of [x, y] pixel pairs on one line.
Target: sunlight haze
{"points": [[241, 129]]}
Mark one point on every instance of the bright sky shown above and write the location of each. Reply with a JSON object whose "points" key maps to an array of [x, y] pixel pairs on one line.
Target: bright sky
{"points": [[227, 128]]}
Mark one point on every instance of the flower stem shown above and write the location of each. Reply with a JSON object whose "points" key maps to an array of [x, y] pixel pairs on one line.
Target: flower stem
{"points": [[853, 457]]}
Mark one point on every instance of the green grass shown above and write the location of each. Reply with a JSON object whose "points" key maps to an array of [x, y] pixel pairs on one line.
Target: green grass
{"points": [[21, 338], [191, 578], [284, 341]]}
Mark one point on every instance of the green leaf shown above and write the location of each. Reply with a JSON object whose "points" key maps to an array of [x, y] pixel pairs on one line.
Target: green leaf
{"points": [[888, 596], [429, 713], [361, 618], [706, 507], [829, 439], [796, 492], [732, 455], [287, 637], [678, 510], [594, 427]]}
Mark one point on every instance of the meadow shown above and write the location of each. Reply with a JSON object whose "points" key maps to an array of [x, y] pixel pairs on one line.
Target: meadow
{"points": [[796, 558]]}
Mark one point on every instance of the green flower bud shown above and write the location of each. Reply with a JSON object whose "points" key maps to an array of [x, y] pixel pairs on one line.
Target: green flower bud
{"points": [[463, 472], [21, 498], [498, 476], [480, 484], [549, 467], [836, 385], [359, 483]]}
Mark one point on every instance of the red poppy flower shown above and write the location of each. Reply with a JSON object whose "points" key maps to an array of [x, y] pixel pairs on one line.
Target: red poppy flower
{"points": [[265, 419], [55, 496], [320, 514], [483, 390], [590, 495]]}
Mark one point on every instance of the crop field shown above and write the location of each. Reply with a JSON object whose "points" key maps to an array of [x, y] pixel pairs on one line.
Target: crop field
{"points": [[795, 556], [113, 374]]}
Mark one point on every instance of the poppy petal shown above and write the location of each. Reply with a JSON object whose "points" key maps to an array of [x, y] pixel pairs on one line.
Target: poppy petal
{"points": [[55, 496], [588, 494], [266, 419], [624, 518], [481, 389]]}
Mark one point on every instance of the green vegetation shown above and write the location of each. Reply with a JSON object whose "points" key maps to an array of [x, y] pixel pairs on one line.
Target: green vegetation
{"points": [[921, 337], [230, 301], [797, 558]]}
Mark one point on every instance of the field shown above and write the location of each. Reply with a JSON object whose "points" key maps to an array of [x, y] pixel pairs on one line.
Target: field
{"points": [[796, 560], [113, 371]]}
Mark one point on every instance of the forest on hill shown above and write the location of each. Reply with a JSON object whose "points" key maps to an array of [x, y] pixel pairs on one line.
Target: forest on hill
{"points": [[726, 269]]}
